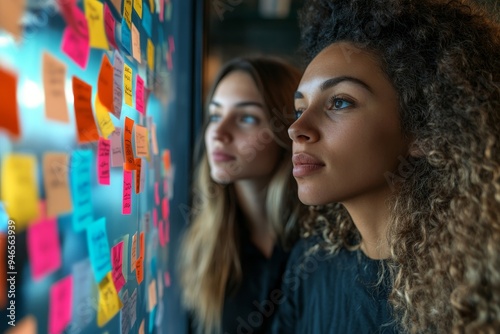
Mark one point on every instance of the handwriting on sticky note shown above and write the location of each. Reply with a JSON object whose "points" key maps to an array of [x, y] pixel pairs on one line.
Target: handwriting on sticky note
{"points": [[154, 140], [139, 94], [133, 307], [117, 261], [98, 246], [116, 148], [127, 192], [124, 314], [109, 26], [127, 81], [136, 43], [109, 302], [127, 12], [94, 12], [127, 141], [138, 7], [105, 83], [141, 141], [139, 270], [44, 248], [151, 55], [133, 252], [76, 46], [55, 178], [126, 37], [11, 12], [106, 126], [54, 80], [86, 126], [19, 188], [152, 295], [61, 296], [10, 111], [103, 150], [137, 171], [141, 246], [117, 84], [81, 188]]}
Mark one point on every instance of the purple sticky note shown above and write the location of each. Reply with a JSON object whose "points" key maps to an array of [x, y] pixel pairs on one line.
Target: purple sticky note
{"points": [[117, 261], [103, 161], [44, 248], [116, 148], [61, 294]]}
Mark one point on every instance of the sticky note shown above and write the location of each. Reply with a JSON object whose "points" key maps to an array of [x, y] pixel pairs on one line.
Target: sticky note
{"points": [[162, 10], [54, 80], [152, 5], [76, 46], [26, 325], [116, 148], [166, 160], [105, 86], [127, 192], [55, 178], [109, 302], [152, 316], [125, 256], [161, 234], [103, 150], [60, 304], [117, 84], [118, 5], [81, 189], [124, 314], [165, 208], [133, 307], [139, 94], [11, 12], [151, 55], [141, 141], [109, 26], [143, 175], [154, 140], [141, 328], [138, 167], [19, 188], [98, 246], [74, 17], [127, 81], [44, 248], [106, 126], [94, 12], [152, 295], [127, 12], [138, 7], [167, 279], [171, 43], [157, 193], [8, 95], [117, 258], [126, 37], [139, 270], [136, 43], [127, 141], [147, 22], [133, 252], [160, 284], [84, 297], [170, 64], [86, 126]]}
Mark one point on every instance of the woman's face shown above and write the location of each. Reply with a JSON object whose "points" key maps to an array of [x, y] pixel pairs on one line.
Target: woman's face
{"points": [[348, 137], [239, 141]]}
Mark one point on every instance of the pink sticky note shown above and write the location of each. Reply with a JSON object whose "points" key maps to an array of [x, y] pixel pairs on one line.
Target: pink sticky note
{"points": [[165, 208], [117, 262], [60, 305], [171, 44], [44, 248], [157, 193], [76, 40], [161, 234], [162, 10], [139, 94], [109, 25], [127, 192], [103, 160], [155, 217], [167, 279]]}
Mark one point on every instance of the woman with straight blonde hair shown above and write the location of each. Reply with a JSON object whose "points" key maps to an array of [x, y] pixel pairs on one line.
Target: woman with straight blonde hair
{"points": [[245, 207]]}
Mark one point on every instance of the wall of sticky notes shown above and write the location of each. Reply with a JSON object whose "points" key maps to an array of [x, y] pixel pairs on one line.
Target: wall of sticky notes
{"points": [[97, 124]]}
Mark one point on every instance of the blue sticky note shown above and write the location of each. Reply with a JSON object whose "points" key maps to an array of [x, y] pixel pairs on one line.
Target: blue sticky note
{"points": [[126, 37], [147, 21], [81, 189], [152, 317], [99, 253], [153, 264]]}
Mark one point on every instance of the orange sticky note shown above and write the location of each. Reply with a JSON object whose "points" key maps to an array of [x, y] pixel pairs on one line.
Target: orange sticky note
{"points": [[166, 160], [141, 246], [26, 325], [10, 112], [151, 55], [54, 80], [127, 141], [127, 82], [94, 12], [105, 86], [141, 141], [139, 270], [138, 7], [136, 43], [11, 12], [55, 177], [85, 123]]}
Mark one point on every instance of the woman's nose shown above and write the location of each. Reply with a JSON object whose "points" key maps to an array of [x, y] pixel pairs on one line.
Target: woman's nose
{"points": [[222, 130], [304, 129]]}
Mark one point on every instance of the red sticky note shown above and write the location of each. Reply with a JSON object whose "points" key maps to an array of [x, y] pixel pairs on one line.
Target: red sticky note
{"points": [[138, 167], [139, 94], [105, 87], [61, 295], [127, 192], [103, 150], [109, 26], [166, 160], [127, 141], [139, 270], [165, 208], [8, 96], [44, 248], [85, 122], [117, 261]]}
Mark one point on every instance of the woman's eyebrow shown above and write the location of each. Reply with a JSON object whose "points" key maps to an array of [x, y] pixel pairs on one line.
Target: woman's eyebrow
{"points": [[335, 81], [240, 104]]}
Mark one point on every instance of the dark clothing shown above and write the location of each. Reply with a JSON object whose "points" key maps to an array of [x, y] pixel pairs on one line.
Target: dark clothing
{"points": [[327, 294]]}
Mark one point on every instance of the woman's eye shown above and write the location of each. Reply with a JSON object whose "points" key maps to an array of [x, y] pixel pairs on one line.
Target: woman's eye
{"points": [[249, 119], [213, 118], [298, 113], [340, 103]]}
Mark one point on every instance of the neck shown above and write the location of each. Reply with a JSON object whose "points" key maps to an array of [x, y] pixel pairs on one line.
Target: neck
{"points": [[370, 214]]}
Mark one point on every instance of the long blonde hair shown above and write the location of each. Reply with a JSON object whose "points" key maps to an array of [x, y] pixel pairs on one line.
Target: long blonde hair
{"points": [[210, 259]]}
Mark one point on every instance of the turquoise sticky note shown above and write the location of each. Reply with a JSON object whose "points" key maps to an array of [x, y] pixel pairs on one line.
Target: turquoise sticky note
{"points": [[81, 188], [126, 37], [4, 218], [99, 253], [152, 317], [147, 21]]}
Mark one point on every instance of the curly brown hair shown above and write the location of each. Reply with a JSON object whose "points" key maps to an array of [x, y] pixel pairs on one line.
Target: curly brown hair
{"points": [[443, 59]]}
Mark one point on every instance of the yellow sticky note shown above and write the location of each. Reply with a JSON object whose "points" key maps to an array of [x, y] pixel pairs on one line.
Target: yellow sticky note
{"points": [[138, 7], [109, 302], [103, 119], [152, 5], [127, 12], [136, 43], [19, 189], [94, 12], [151, 55], [127, 82]]}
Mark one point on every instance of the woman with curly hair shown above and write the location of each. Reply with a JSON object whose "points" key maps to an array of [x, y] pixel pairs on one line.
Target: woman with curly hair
{"points": [[397, 145], [245, 207]]}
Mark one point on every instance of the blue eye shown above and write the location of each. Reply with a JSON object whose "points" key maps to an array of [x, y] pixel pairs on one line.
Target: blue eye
{"points": [[340, 103], [249, 119], [213, 118], [298, 113]]}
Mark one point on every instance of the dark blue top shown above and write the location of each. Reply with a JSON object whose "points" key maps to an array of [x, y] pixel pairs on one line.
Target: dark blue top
{"points": [[327, 294]]}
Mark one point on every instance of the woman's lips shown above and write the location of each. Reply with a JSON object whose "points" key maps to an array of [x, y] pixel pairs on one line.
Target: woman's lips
{"points": [[219, 156], [305, 164]]}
